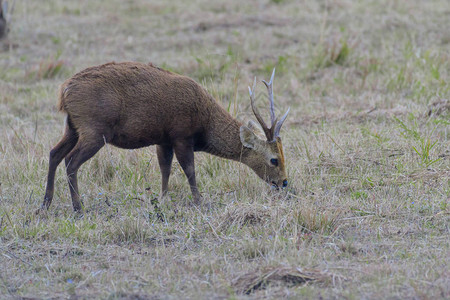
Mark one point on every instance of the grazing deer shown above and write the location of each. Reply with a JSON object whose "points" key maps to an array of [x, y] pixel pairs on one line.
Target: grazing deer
{"points": [[3, 12], [5, 17], [133, 105]]}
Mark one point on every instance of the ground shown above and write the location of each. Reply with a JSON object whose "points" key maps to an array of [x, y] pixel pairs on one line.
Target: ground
{"points": [[366, 214]]}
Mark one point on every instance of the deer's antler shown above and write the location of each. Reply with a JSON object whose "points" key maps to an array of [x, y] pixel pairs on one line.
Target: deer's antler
{"points": [[268, 132], [274, 131]]}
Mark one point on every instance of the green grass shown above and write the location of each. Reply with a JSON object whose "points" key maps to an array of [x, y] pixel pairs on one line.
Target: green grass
{"points": [[366, 145]]}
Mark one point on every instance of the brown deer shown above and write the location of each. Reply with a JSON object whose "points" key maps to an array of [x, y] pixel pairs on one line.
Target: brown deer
{"points": [[133, 105]]}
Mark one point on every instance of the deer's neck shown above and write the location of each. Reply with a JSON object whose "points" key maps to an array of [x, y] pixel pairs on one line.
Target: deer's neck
{"points": [[223, 136]]}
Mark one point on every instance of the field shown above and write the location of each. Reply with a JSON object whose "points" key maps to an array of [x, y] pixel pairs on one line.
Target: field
{"points": [[366, 214]]}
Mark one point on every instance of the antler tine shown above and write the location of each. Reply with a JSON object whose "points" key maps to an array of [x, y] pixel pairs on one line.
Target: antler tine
{"points": [[276, 132], [266, 129], [270, 92]]}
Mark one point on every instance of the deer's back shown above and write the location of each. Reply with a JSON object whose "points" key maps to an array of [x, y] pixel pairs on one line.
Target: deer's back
{"points": [[134, 105]]}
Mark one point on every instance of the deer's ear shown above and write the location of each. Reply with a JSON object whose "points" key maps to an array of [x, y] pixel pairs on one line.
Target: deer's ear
{"points": [[256, 129], [248, 138]]}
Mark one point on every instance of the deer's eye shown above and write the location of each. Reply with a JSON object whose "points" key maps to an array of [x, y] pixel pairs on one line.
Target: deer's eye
{"points": [[274, 162]]}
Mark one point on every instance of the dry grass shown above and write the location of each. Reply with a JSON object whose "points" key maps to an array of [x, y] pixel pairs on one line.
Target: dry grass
{"points": [[366, 142]]}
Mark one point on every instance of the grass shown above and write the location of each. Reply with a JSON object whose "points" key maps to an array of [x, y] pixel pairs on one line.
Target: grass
{"points": [[47, 69], [367, 148]]}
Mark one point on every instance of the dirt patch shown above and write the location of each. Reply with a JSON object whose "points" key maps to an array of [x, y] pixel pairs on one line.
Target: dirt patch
{"points": [[350, 116], [280, 275], [239, 22]]}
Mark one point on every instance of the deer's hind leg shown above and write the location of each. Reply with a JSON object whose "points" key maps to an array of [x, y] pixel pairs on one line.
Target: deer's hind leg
{"points": [[87, 146], [65, 145]]}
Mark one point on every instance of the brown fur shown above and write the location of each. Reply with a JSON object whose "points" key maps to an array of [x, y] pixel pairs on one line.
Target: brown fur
{"points": [[133, 105]]}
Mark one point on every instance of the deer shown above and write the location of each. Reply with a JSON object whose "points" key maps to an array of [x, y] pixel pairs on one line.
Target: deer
{"points": [[5, 17], [3, 29], [132, 105]]}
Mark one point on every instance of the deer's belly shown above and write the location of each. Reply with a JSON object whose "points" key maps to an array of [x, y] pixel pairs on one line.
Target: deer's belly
{"points": [[133, 142]]}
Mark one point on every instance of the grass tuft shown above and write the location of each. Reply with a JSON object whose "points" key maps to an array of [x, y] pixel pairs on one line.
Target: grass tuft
{"points": [[312, 220], [47, 69], [330, 53], [244, 214]]}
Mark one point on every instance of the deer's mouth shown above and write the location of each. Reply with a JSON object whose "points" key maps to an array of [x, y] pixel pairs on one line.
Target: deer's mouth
{"points": [[274, 185]]}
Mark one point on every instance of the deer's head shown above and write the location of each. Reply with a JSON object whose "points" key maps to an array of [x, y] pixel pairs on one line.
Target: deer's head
{"points": [[266, 156]]}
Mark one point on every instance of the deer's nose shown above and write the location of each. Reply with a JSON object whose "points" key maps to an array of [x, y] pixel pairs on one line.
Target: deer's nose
{"points": [[285, 183]]}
